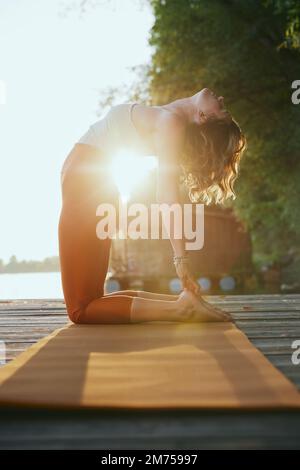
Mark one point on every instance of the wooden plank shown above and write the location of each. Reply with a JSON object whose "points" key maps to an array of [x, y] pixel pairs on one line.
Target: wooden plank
{"points": [[285, 315], [31, 322], [17, 346], [257, 298], [269, 324], [27, 329], [253, 316], [148, 430], [33, 337], [271, 327], [242, 308], [281, 332], [267, 316], [248, 307], [32, 310], [284, 361], [152, 442], [275, 321]]}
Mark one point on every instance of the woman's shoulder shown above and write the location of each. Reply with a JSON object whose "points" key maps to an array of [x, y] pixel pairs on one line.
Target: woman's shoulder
{"points": [[171, 125], [170, 136]]}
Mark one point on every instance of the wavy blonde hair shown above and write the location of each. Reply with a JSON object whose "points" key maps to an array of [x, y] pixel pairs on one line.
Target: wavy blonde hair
{"points": [[210, 159]]}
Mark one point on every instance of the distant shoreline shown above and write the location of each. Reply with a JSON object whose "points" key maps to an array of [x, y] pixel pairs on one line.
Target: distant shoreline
{"points": [[14, 266], [30, 272]]}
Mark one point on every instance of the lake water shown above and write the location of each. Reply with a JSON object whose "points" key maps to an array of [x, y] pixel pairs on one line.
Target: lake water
{"points": [[38, 286], [30, 286]]}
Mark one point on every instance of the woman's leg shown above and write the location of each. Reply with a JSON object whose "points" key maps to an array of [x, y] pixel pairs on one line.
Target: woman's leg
{"points": [[179, 310], [132, 309], [84, 257], [144, 295], [126, 309]]}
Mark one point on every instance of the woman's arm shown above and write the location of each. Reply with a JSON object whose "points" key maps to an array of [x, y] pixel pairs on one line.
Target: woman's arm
{"points": [[169, 145]]}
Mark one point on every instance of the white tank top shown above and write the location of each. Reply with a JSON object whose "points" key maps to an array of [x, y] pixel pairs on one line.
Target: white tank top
{"points": [[116, 131]]}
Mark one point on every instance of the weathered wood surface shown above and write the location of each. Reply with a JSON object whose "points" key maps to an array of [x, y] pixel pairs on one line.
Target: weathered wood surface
{"points": [[272, 323]]}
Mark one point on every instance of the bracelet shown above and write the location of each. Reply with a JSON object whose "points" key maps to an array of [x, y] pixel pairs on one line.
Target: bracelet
{"points": [[180, 259]]}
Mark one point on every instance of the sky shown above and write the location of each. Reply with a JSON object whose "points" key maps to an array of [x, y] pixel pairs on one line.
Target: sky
{"points": [[54, 63]]}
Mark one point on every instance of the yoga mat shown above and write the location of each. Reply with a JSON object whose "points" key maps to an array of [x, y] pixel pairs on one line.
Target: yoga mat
{"points": [[146, 365]]}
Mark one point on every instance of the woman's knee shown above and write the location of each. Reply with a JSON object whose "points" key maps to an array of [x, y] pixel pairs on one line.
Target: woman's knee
{"points": [[76, 315], [79, 312]]}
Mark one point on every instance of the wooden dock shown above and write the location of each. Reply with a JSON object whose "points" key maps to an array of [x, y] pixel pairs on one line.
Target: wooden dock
{"points": [[271, 322]]}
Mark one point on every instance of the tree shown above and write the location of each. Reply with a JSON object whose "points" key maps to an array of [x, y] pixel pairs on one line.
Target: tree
{"points": [[290, 9], [232, 47]]}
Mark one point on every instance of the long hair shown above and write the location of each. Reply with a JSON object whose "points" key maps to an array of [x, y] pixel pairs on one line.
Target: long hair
{"points": [[210, 159]]}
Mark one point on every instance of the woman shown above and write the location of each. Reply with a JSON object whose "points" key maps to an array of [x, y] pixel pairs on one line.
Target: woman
{"points": [[195, 135]]}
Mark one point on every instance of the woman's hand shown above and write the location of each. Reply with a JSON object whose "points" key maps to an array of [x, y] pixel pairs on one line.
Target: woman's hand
{"points": [[189, 283]]}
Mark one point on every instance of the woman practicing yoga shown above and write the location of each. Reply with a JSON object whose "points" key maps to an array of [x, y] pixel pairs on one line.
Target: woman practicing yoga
{"points": [[193, 135]]}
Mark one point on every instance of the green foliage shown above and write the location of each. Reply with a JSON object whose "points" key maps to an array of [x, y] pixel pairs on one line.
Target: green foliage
{"points": [[290, 9], [232, 47]]}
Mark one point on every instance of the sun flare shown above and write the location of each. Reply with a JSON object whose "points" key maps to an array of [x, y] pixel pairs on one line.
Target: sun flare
{"points": [[128, 171]]}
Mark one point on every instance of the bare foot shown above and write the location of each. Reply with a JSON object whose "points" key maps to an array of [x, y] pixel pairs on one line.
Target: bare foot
{"points": [[194, 309]]}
